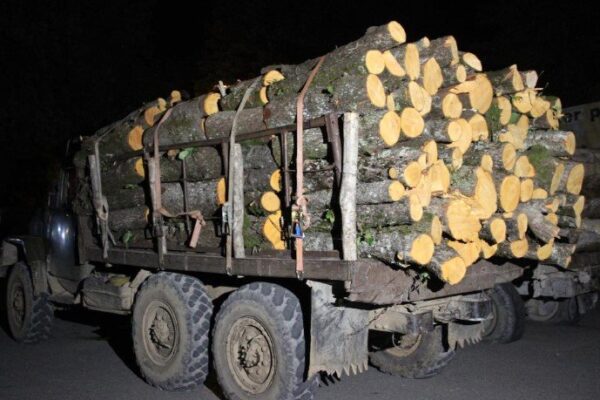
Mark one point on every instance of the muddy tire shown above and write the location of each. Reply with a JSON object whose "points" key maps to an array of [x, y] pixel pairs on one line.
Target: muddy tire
{"points": [[259, 346], [508, 322], [415, 357], [170, 328], [563, 311], [29, 317]]}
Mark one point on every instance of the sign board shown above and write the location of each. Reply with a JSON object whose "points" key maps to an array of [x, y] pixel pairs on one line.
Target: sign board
{"points": [[584, 120]]}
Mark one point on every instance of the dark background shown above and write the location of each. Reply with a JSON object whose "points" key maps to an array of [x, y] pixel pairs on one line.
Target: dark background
{"points": [[70, 67]]}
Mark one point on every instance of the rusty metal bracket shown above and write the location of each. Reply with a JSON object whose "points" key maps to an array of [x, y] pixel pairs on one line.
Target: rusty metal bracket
{"points": [[300, 200]]}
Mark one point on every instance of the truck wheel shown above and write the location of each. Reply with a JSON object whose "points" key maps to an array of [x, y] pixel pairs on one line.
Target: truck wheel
{"points": [[413, 356], [29, 317], [564, 311], [258, 345], [508, 315], [170, 327]]}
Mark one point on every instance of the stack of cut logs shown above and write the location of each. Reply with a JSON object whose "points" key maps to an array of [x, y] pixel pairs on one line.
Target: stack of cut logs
{"points": [[455, 164], [587, 238]]}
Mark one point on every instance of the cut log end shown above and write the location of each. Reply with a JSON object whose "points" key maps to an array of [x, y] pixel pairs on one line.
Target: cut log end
{"points": [[396, 191], [139, 167], [510, 193], [421, 250], [392, 65], [374, 62], [211, 103], [270, 201], [272, 77], [397, 32], [452, 107], [389, 128], [412, 63], [376, 91], [134, 138], [412, 174], [275, 180], [575, 179], [472, 61], [453, 270], [412, 122]]}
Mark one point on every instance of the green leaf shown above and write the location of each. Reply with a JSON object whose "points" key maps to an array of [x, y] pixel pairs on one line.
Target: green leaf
{"points": [[126, 238], [130, 186], [330, 216], [330, 89], [185, 153]]}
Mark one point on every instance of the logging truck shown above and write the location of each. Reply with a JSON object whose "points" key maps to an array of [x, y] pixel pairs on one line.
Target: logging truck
{"points": [[276, 326], [367, 206]]}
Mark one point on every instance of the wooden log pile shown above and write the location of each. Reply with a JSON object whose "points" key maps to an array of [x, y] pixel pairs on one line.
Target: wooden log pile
{"points": [[455, 163]]}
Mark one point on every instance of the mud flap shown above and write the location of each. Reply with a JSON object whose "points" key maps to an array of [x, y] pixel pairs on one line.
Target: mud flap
{"points": [[338, 335]]}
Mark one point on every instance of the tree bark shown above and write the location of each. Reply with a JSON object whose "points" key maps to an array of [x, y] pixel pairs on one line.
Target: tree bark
{"points": [[184, 124]]}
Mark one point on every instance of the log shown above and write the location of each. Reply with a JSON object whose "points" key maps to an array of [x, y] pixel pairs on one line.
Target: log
{"points": [[469, 252], [503, 155], [358, 95], [379, 192], [549, 171], [543, 229], [506, 81], [235, 93], [446, 104], [443, 50], [454, 74], [472, 61], [515, 249], [499, 114], [219, 125], [457, 218], [315, 146], [125, 135], [508, 188], [408, 94], [572, 178], [282, 111], [447, 265], [558, 143], [561, 254], [476, 94], [516, 226], [442, 130], [493, 230], [128, 219], [184, 124], [403, 159], [547, 121], [529, 78]]}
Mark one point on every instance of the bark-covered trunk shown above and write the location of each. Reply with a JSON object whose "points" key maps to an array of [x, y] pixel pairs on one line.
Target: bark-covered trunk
{"points": [[184, 124]]}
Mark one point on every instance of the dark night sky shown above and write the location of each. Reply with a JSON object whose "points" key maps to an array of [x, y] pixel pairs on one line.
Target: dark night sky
{"points": [[70, 67]]}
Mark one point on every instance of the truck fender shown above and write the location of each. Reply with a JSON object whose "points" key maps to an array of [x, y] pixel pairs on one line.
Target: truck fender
{"points": [[32, 251]]}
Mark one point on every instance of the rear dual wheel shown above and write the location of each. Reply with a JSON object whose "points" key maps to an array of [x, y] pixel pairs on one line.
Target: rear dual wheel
{"points": [[410, 356], [563, 311], [259, 347]]}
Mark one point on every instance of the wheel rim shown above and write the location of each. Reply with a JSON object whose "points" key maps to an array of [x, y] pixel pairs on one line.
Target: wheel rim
{"points": [[404, 345], [543, 310], [250, 355], [17, 305], [161, 332], [489, 325]]}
